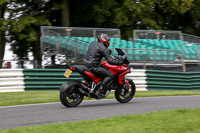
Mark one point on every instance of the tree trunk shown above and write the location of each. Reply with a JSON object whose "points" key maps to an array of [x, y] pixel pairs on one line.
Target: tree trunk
{"points": [[2, 47], [65, 13], [53, 60], [37, 56], [2, 35]]}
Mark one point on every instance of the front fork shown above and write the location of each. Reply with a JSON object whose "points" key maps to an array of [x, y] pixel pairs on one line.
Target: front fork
{"points": [[125, 88], [125, 83]]}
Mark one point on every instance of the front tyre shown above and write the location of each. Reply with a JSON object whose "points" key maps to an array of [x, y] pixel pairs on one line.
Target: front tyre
{"points": [[124, 96], [71, 97]]}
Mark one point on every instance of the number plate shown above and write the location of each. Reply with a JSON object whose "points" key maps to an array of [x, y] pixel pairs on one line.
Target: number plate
{"points": [[67, 73]]}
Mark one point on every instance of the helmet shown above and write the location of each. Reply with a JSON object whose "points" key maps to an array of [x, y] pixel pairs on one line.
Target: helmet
{"points": [[102, 37]]}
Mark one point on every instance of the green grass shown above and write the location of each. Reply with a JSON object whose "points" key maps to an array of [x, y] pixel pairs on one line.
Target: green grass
{"points": [[175, 121], [28, 97], [31, 97]]}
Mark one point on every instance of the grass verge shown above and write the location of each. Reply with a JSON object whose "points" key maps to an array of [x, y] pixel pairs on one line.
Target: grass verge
{"points": [[175, 121], [31, 97]]}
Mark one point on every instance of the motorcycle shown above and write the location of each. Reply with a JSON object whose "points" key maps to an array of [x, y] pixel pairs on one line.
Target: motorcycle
{"points": [[73, 92]]}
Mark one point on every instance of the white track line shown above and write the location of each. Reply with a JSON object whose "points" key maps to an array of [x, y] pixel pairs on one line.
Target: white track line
{"points": [[26, 105]]}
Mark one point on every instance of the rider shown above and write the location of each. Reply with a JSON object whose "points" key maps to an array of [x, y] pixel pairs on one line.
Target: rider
{"points": [[95, 53]]}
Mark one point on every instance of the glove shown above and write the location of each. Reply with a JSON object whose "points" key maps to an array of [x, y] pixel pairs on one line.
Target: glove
{"points": [[123, 57], [110, 51]]}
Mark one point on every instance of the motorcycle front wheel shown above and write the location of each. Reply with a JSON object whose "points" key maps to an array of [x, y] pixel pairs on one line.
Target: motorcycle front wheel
{"points": [[124, 96], [71, 97]]}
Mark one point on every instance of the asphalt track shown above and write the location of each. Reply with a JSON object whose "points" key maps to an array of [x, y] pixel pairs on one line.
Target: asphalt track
{"points": [[39, 114]]}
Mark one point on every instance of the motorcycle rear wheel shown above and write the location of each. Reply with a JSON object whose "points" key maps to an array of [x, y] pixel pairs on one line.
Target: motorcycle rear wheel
{"points": [[71, 97], [127, 96]]}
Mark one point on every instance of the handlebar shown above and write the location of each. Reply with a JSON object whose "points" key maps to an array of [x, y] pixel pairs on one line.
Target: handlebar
{"points": [[122, 55]]}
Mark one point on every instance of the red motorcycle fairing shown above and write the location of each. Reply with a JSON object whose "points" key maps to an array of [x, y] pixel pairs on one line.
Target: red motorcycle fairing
{"points": [[121, 77], [74, 69], [88, 73], [95, 79], [114, 68]]}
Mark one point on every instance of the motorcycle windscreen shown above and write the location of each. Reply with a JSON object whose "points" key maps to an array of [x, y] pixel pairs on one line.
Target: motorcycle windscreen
{"points": [[119, 51]]}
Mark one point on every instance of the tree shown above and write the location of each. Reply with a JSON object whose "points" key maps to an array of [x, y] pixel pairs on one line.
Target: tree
{"points": [[189, 22], [25, 28], [128, 14], [24, 21], [65, 13], [3, 4], [26, 17], [193, 26], [57, 12]]}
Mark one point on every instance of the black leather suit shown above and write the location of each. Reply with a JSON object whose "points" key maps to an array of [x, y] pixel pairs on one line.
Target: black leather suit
{"points": [[95, 53]]}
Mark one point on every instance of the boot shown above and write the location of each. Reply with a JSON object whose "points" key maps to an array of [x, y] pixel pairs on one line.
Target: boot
{"points": [[99, 92], [106, 80], [102, 89]]}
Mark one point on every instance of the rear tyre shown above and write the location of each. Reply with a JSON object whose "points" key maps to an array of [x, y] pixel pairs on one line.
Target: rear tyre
{"points": [[125, 96], [71, 97]]}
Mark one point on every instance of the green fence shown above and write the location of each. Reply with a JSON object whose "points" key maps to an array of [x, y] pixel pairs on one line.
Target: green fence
{"points": [[165, 80], [46, 79], [51, 79]]}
